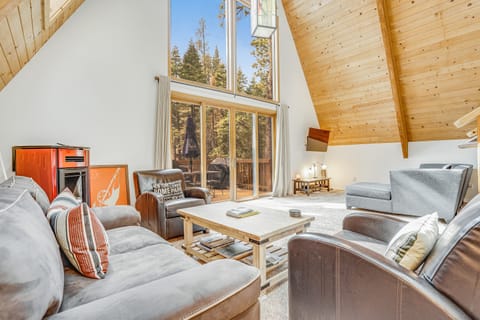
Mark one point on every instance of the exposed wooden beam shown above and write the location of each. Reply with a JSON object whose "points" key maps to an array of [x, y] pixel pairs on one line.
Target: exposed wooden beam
{"points": [[393, 74], [6, 7], [469, 117], [472, 133]]}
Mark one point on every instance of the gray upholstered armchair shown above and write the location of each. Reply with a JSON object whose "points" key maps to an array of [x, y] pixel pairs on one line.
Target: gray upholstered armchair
{"points": [[347, 276], [432, 187], [158, 214]]}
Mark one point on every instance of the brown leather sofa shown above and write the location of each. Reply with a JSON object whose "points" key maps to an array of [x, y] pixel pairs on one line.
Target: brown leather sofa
{"points": [[159, 215], [346, 276]]}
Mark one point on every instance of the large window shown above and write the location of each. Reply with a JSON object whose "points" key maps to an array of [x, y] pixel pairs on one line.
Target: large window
{"points": [[211, 45], [227, 149]]}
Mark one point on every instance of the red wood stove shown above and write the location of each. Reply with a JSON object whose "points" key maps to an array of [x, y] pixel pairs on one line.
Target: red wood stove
{"points": [[54, 168]]}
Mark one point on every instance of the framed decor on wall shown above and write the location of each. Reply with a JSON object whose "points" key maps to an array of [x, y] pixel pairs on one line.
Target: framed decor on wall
{"points": [[109, 185]]}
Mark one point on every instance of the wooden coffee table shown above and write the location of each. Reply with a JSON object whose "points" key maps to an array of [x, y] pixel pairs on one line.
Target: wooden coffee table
{"points": [[259, 230]]}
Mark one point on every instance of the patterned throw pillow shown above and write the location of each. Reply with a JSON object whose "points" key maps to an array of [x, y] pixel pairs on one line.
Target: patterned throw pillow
{"points": [[83, 240], [63, 201], [169, 190], [413, 243]]}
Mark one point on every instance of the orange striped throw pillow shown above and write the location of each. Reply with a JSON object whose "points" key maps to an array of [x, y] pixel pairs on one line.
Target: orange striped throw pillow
{"points": [[83, 239]]}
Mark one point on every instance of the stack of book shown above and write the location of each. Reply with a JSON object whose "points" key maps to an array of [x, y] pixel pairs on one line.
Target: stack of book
{"points": [[242, 212], [234, 250], [214, 241]]}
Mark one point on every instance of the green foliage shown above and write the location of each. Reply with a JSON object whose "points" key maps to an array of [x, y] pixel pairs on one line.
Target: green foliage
{"points": [[175, 62], [192, 68]]}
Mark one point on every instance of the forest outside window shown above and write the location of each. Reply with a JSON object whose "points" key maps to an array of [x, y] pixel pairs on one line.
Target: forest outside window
{"points": [[211, 45]]}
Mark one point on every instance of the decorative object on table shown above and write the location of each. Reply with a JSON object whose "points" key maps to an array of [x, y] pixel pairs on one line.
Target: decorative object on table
{"points": [[295, 213], [323, 171], [263, 18], [54, 168], [109, 185], [241, 212], [234, 250]]}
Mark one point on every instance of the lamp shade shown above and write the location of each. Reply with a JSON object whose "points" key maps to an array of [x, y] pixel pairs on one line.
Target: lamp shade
{"points": [[263, 18]]}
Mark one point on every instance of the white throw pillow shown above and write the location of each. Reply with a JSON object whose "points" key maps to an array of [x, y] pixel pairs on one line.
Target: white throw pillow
{"points": [[413, 243]]}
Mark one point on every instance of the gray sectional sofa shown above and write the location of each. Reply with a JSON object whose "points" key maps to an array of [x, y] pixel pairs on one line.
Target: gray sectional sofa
{"points": [[431, 187], [147, 278]]}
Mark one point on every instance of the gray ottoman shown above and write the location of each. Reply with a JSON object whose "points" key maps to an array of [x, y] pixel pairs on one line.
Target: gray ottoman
{"points": [[369, 195]]}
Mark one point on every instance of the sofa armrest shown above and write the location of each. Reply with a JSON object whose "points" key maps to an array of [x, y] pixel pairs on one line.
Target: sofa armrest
{"points": [[218, 290], [198, 192], [423, 191], [117, 216], [375, 226], [336, 278]]}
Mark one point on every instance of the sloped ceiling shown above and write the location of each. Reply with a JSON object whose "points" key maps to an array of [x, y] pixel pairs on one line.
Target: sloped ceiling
{"points": [[25, 26], [380, 69]]}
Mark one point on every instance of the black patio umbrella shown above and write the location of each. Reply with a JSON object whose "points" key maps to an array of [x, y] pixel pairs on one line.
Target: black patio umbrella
{"points": [[190, 145]]}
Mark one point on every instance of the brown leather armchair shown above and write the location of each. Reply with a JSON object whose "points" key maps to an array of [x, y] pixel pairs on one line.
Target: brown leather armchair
{"points": [[346, 276], [159, 215]]}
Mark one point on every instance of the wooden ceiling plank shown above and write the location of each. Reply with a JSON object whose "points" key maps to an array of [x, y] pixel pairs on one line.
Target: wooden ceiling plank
{"points": [[38, 24], [27, 27], [17, 35], [7, 6], [5, 72], [392, 70], [6, 43]]}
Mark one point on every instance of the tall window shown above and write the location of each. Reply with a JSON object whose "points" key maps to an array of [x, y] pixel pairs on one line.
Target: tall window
{"points": [[211, 45]]}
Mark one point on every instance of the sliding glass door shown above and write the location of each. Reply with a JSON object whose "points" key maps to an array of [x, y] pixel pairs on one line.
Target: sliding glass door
{"points": [[225, 149]]}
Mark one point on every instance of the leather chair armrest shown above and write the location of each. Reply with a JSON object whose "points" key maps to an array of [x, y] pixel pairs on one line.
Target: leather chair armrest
{"points": [[117, 216], [336, 278], [373, 225], [198, 192], [219, 290], [152, 210]]}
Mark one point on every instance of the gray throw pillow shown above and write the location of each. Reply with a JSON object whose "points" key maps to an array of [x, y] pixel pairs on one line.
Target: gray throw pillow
{"points": [[22, 183], [169, 190], [31, 270]]}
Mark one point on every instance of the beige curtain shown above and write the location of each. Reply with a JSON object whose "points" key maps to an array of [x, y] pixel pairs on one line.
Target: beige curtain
{"points": [[162, 138], [282, 180]]}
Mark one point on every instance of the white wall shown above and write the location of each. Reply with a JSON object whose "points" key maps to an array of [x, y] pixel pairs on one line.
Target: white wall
{"points": [[92, 84]]}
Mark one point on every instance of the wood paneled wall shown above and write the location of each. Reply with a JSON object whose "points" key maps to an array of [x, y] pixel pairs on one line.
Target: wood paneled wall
{"points": [[25, 26], [436, 51]]}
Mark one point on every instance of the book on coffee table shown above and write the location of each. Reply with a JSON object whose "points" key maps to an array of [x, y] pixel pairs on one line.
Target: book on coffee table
{"points": [[215, 241], [242, 212], [233, 250]]}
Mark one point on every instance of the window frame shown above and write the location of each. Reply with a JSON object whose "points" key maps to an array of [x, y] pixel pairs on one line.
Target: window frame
{"points": [[231, 57]]}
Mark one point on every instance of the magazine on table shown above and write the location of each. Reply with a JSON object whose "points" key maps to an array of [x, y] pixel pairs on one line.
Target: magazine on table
{"points": [[242, 212], [215, 241], [234, 249]]}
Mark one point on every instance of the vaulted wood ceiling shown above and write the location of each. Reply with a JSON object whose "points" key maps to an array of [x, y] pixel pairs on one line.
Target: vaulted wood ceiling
{"points": [[358, 54], [25, 26]]}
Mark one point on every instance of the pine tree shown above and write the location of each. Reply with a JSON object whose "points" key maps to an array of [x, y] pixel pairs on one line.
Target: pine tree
{"points": [[242, 81], [201, 45], [263, 67], [175, 62], [218, 76], [191, 66]]}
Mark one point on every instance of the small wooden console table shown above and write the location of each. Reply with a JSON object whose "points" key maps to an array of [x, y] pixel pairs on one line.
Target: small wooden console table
{"points": [[310, 185]]}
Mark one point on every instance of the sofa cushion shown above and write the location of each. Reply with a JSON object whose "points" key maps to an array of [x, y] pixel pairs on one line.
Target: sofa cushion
{"points": [[413, 243], [31, 270], [63, 201], [83, 240], [172, 205], [370, 190], [127, 270], [169, 190], [22, 183], [126, 239]]}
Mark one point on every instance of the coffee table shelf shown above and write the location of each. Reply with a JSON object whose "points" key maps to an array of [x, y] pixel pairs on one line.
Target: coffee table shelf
{"points": [[260, 231]]}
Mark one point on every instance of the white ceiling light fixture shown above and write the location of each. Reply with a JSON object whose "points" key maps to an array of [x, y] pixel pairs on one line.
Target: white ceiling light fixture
{"points": [[263, 18]]}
